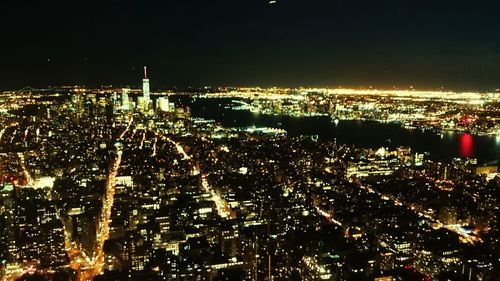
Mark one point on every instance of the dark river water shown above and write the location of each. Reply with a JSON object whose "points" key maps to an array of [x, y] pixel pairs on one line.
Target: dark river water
{"points": [[359, 133]]}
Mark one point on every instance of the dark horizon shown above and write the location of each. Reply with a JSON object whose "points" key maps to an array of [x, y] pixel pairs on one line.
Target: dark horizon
{"points": [[452, 44]]}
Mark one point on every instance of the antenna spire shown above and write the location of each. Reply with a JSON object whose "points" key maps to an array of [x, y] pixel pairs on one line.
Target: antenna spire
{"points": [[145, 72]]}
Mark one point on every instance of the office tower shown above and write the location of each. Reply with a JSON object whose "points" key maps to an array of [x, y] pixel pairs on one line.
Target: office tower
{"points": [[145, 86], [8, 249], [163, 104], [125, 100], [114, 99]]}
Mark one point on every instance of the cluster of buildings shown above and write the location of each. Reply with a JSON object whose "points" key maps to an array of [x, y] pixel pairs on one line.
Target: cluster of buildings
{"points": [[98, 186], [428, 110]]}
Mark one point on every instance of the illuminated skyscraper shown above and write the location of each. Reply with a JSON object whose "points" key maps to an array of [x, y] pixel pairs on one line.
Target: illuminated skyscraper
{"points": [[114, 99], [163, 104], [8, 248], [145, 86], [125, 100]]}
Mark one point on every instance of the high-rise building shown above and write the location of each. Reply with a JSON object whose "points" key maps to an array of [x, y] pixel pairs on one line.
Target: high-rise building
{"points": [[8, 249], [163, 104], [145, 86], [114, 99], [40, 236], [125, 100]]}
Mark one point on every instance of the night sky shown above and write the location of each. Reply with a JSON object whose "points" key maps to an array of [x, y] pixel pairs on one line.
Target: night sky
{"points": [[428, 44]]}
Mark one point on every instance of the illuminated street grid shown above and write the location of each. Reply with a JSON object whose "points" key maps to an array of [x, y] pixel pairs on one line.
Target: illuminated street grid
{"points": [[98, 186]]}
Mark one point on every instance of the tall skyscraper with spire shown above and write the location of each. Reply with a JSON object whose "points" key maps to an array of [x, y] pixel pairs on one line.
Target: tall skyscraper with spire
{"points": [[145, 86]]}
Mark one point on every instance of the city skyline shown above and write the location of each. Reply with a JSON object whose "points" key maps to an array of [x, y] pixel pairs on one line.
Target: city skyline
{"points": [[259, 140]]}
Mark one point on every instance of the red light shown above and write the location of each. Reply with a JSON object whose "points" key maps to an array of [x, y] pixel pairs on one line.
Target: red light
{"points": [[466, 145]]}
